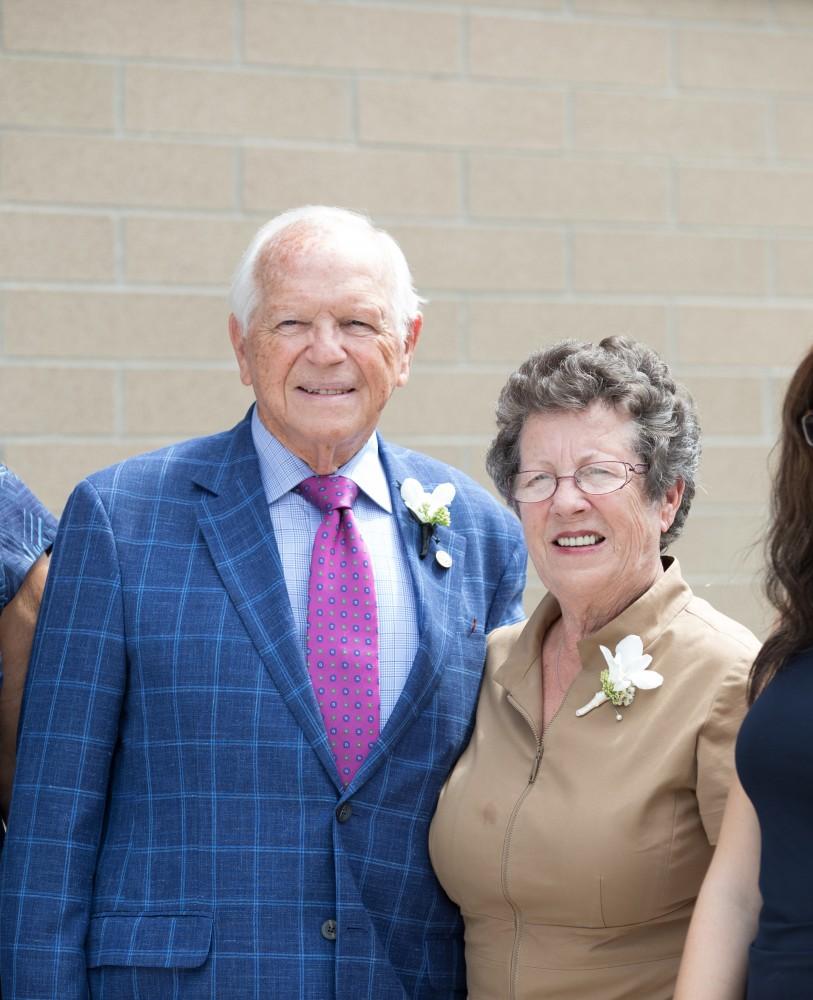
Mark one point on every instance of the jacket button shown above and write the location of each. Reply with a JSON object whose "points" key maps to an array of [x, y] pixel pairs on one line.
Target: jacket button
{"points": [[344, 812], [329, 930]]}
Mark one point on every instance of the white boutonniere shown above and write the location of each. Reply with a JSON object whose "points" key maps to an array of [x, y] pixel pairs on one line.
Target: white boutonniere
{"points": [[624, 674], [428, 509]]}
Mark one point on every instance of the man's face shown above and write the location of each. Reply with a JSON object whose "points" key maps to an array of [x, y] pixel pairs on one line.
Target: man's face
{"points": [[322, 352]]}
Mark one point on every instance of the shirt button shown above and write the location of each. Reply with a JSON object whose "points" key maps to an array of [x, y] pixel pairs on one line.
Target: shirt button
{"points": [[344, 812], [329, 930]]}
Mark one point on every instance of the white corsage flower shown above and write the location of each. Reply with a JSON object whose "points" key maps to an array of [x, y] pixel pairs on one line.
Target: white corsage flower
{"points": [[428, 509], [625, 673]]}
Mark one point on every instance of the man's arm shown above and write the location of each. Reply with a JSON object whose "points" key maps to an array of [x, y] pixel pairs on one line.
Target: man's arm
{"points": [[17, 623], [506, 607], [68, 732]]}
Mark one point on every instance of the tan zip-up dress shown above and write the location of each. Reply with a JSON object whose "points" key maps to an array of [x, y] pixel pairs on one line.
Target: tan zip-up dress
{"points": [[576, 855]]}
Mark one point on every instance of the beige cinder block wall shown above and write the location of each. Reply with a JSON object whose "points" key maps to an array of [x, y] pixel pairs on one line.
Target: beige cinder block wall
{"points": [[552, 168]]}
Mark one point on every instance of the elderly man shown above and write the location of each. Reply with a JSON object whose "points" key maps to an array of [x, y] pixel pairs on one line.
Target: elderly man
{"points": [[256, 667]]}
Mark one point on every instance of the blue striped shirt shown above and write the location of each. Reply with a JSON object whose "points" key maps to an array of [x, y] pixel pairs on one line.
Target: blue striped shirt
{"points": [[295, 520]]}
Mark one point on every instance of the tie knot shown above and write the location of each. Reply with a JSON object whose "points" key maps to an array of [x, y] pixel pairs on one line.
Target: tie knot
{"points": [[329, 492]]}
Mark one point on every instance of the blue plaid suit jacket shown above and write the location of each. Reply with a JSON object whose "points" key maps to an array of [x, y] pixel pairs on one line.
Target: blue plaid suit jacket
{"points": [[177, 827]]}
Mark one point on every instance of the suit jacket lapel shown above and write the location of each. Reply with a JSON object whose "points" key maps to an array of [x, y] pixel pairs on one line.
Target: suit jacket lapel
{"points": [[233, 517], [437, 592]]}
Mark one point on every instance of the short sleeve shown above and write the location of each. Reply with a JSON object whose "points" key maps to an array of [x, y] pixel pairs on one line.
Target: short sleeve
{"points": [[715, 746], [27, 529]]}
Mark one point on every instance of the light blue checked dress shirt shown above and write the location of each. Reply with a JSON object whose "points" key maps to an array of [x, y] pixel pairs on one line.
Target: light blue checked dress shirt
{"points": [[295, 521]]}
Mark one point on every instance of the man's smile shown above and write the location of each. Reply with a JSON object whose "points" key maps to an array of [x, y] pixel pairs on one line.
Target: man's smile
{"points": [[314, 391]]}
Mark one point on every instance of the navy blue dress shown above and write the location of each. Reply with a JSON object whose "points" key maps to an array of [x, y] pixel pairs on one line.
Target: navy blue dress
{"points": [[775, 767]]}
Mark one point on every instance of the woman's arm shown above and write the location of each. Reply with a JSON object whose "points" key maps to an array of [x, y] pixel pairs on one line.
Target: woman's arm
{"points": [[725, 917], [17, 623]]}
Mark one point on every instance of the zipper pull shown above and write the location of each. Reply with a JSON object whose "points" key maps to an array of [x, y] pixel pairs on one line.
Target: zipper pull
{"points": [[536, 763]]}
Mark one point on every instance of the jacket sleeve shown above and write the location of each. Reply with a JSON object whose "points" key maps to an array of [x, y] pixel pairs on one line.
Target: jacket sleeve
{"points": [[506, 607], [68, 732], [715, 746], [27, 530]]}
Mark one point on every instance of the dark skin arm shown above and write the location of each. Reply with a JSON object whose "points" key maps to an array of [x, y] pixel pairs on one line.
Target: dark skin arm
{"points": [[17, 623]]}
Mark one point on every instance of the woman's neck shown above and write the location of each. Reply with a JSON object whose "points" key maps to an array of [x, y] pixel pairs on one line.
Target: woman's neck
{"points": [[581, 618]]}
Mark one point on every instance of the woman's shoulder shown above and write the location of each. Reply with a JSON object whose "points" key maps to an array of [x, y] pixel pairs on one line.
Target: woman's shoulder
{"points": [[707, 657], [800, 660], [719, 633], [795, 675]]}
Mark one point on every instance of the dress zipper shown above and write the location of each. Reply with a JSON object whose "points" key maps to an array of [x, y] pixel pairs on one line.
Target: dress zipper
{"points": [[537, 761]]}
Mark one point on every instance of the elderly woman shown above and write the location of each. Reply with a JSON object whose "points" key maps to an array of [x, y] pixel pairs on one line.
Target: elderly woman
{"points": [[577, 826]]}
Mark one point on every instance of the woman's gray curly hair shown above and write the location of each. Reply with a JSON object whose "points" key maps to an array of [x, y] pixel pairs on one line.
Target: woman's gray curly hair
{"points": [[621, 373]]}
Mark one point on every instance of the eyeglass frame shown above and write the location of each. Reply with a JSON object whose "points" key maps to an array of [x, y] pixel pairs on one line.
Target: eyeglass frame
{"points": [[806, 421], [639, 469]]}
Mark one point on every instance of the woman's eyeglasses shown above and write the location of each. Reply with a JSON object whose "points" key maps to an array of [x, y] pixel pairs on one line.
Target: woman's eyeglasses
{"points": [[597, 478]]}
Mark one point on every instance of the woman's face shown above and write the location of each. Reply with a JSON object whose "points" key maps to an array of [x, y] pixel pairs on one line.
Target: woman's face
{"points": [[619, 555]]}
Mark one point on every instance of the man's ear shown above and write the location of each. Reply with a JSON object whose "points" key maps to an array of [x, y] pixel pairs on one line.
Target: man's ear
{"points": [[415, 332], [238, 344], [410, 343]]}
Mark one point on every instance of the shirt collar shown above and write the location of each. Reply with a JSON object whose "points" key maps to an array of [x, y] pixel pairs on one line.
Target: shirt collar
{"points": [[281, 470], [648, 616]]}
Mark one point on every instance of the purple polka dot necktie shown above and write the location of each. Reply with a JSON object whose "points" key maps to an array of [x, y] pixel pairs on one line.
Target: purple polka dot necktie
{"points": [[342, 627]]}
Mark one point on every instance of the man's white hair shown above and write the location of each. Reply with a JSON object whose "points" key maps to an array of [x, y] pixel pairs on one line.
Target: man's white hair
{"points": [[314, 220]]}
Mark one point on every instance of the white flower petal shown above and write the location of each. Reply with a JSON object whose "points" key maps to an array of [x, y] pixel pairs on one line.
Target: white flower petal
{"points": [[640, 663], [412, 493], [608, 657], [648, 680], [629, 648], [619, 675], [442, 496]]}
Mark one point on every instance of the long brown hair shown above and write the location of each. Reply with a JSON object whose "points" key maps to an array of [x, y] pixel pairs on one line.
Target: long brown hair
{"points": [[789, 544]]}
